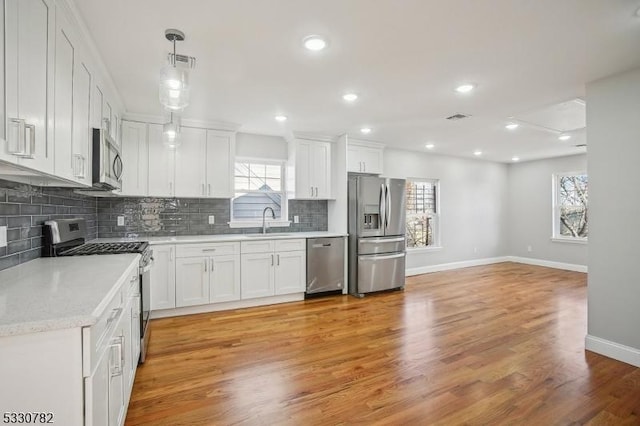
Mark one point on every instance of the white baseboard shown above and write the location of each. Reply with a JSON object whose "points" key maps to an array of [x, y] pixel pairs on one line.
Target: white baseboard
{"points": [[225, 306], [455, 265], [489, 260], [613, 350], [547, 263]]}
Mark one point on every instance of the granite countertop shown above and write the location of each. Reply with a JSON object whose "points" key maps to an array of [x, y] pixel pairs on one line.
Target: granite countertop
{"points": [[186, 239], [59, 292]]}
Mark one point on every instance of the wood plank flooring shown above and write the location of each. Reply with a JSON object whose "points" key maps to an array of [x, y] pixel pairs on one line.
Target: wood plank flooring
{"points": [[497, 344]]}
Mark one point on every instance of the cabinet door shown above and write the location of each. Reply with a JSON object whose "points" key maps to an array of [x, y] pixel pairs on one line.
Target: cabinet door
{"points": [[257, 275], [191, 163], [224, 279], [82, 135], [304, 184], [116, 352], [96, 394], [163, 278], [135, 170], [96, 107], [192, 281], [320, 166], [135, 339], [354, 162], [63, 122], [161, 164], [290, 272], [29, 44], [219, 164], [371, 159]]}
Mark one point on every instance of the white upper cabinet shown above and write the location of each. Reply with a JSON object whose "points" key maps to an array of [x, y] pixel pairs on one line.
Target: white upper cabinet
{"points": [[364, 157], [221, 148], [29, 49], [191, 163], [161, 164], [135, 154], [311, 161], [72, 135]]}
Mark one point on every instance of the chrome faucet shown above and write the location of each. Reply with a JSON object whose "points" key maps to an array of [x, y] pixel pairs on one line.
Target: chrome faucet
{"points": [[264, 223]]}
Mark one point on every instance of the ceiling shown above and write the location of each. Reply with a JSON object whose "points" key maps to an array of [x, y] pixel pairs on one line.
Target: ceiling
{"points": [[404, 58]]}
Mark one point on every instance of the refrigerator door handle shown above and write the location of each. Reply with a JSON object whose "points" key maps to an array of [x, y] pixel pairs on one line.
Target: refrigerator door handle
{"points": [[387, 216], [380, 257], [380, 240], [382, 207]]}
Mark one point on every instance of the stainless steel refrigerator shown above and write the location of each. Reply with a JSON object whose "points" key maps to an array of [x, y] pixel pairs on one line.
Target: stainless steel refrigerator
{"points": [[376, 234]]}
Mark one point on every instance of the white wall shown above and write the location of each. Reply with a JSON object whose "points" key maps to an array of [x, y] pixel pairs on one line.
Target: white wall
{"points": [[530, 210], [473, 205], [613, 132], [261, 146]]}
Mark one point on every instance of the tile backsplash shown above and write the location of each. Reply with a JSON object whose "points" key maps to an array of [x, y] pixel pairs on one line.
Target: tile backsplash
{"points": [[23, 210], [147, 217]]}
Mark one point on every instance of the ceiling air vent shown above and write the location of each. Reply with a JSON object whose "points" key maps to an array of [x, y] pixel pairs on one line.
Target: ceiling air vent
{"points": [[458, 116]]}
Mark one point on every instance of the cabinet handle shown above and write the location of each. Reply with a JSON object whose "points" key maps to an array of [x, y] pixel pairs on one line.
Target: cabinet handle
{"points": [[364, 166], [203, 192], [212, 264], [278, 257], [316, 192], [209, 185], [114, 314], [205, 265], [210, 249], [311, 189], [32, 140], [118, 369], [17, 144], [171, 253], [170, 188], [77, 166], [271, 260]]}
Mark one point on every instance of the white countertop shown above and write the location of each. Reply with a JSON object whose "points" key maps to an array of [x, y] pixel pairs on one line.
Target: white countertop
{"points": [[60, 292], [186, 239]]}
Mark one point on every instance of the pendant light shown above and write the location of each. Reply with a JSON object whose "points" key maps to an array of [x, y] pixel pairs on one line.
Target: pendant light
{"points": [[174, 77], [171, 131]]}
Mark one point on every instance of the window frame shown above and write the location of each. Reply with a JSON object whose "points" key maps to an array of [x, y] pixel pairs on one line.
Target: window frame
{"points": [[281, 221], [435, 226], [555, 209]]}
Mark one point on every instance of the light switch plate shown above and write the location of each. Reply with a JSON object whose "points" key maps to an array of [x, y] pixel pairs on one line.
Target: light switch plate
{"points": [[296, 219], [120, 220], [3, 236], [212, 219]]}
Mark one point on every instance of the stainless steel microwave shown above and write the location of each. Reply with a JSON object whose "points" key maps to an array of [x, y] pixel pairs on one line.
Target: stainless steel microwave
{"points": [[107, 161]]}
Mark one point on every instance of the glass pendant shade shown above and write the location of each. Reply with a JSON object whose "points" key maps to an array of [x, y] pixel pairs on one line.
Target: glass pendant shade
{"points": [[174, 87], [171, 132]]}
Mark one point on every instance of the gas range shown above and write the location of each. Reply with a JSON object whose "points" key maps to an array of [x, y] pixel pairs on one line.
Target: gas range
{"points": [[66, 237]]}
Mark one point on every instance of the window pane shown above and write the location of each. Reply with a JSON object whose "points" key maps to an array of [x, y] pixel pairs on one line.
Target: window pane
{"points": [[251, 205], [420, 210], [573, 197]]}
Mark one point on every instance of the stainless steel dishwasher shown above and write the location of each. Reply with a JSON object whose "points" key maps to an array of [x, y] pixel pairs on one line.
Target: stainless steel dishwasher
{"points": [[325, 265]]}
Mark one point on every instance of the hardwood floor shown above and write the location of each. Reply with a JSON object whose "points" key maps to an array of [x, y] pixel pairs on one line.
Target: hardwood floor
{"points": [[497, 344]]}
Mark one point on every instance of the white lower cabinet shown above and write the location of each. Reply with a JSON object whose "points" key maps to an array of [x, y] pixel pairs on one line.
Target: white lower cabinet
{"points": [[273, 267], [163, 278], [207, 273]]}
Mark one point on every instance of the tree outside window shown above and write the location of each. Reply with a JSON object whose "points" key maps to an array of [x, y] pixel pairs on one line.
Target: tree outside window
{"points": [[570, 206], [422, 213]]}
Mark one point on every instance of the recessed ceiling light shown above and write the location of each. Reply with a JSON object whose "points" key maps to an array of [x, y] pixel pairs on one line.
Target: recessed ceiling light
{"points": [[512, 126], [281, 118], [349, 97], [429, 146], [314, 43], [477, 152], [515, 158], [564, 137], [465, 88], [365, 130]]}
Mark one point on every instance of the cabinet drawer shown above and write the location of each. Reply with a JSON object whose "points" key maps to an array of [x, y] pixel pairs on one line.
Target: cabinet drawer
{"points": [[291, 245], [262, 246], [200, 250]]}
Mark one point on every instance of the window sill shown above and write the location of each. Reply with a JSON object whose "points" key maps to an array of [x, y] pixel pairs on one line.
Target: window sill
{"points": [[569, 240], [258, 224], [423, 249]]}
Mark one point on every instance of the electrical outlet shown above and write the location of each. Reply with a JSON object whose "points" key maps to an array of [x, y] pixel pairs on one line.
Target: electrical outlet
{"points": [[529, 249], [212, 219], [120, 220], [296, 219], [3, 236]]}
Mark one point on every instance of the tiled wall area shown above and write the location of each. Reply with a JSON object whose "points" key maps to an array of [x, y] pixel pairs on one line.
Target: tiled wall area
{"points": [[24, 208], [146, 217]]}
